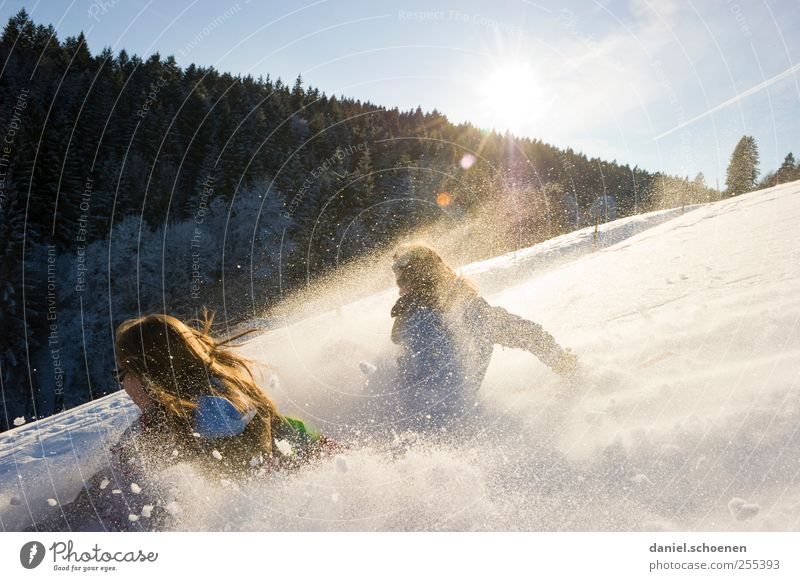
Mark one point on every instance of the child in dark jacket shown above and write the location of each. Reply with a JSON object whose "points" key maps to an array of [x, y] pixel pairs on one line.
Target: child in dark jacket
{"points": [[448, 333]]}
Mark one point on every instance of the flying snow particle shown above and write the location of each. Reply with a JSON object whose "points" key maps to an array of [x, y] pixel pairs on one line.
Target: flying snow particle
{"points": [[284, 447], [254, 461], [116, 491], [175, 453], [196, 434], [701, 462], [135, 488], [216, 455], [341, 464], [367, 368], [19, 421], [335, 497], [642, 479], [173, 508], [274, 383], [147, 509], [133, 517], [735, 504], [52, 501], [740, 509], [748, 511], [104, 483]]}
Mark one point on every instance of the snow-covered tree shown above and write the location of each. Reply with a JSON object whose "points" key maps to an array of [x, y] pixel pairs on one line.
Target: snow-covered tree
{"points": [[743, 167]]}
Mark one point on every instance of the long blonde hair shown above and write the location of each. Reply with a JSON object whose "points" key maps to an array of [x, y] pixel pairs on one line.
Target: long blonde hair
{"points": [[176, 364], [429, 278]]}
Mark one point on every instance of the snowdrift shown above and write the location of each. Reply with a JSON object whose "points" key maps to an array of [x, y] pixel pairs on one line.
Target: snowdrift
{"points": [[685, 416]]}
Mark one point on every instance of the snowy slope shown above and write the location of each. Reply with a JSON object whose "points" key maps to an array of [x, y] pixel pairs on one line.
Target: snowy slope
{"points": [[686, 415]]}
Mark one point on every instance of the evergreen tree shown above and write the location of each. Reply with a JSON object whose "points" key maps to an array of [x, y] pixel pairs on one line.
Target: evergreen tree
{"points": [[111, 161], [698, 189], [743, 167], [788, 172]]}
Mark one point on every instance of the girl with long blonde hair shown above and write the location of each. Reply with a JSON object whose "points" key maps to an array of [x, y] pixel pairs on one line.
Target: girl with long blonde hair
{"points": [[202, 395], [200, 406]]}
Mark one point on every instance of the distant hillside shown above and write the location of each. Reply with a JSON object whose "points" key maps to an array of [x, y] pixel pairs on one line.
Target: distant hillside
{"points": [[132, 185]]}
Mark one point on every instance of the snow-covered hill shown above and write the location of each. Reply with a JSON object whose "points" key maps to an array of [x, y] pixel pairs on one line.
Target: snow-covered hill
{"points": [[686, 416]]}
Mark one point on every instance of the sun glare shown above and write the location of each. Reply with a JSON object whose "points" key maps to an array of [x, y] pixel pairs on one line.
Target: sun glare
{"points": [[513, 95]]}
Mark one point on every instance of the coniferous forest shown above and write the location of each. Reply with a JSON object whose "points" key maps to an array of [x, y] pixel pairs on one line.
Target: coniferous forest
{"points": [[129, 186]]}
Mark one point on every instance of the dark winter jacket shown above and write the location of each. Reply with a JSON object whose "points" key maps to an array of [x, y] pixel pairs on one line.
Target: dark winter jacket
{"points": [[431, 374], [446, 354]]}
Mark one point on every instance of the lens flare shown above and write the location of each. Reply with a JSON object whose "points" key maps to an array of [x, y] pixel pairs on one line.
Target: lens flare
{"points": [[467, 161], [444, 199]]}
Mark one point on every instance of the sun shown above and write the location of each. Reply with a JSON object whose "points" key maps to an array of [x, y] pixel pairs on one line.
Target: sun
{"points": [[513, 95]]}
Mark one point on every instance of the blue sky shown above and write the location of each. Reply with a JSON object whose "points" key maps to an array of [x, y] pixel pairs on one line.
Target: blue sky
{"points": [[669, 85]]}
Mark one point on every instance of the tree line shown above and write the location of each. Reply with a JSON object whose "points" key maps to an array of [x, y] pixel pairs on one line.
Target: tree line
{"points": [[132, 185], [743, 169]]}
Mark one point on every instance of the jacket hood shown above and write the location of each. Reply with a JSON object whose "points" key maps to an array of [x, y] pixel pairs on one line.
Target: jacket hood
{"points": [[217, 417]]}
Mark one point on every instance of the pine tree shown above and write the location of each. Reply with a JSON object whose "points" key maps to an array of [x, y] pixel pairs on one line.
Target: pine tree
{"points": [[298, 95], [743, 167], [788, 171], [698, 192], [365, 187]]}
